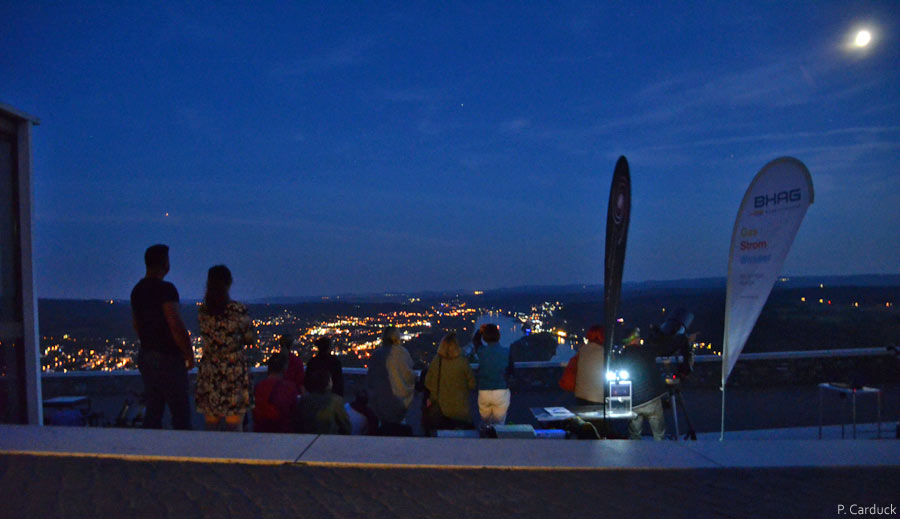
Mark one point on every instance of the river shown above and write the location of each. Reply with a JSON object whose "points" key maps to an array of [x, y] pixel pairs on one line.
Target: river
{"points": [[511, 331]]}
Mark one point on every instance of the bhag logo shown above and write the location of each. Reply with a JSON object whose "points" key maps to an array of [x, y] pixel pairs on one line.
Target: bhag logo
{"points": [[780, 197]]}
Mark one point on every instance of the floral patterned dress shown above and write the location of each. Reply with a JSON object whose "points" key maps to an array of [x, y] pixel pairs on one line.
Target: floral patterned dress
{"points": [[223, 378]]}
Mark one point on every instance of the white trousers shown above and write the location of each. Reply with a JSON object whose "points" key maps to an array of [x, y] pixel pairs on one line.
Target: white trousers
{"points": [[493, 405]]}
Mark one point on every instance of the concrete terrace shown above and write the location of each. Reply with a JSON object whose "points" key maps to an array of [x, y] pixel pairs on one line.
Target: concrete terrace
{"points": [[93, 472], [770, 464]]}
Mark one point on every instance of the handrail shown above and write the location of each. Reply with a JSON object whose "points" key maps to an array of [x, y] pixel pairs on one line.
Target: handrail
{"points": [[810, 354], [780, 355]]}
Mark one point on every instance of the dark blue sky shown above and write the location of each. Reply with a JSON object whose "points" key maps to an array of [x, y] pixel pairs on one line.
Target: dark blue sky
{"points": [[330, 147]]}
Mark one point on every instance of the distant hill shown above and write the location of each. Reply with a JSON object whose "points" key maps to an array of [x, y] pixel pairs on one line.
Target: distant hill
{"points": [[792, 319], [93, 318], [852, 312], [862, 280]]}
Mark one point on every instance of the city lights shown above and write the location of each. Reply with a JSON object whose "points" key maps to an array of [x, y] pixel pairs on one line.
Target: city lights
{"points": [[355, 336]]}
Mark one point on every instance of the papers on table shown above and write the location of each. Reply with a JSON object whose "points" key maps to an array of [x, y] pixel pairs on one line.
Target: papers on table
{"points": [[559, 412]]}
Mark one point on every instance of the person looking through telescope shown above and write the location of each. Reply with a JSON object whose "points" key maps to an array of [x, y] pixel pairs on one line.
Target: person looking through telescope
{"points": [[648, 386]]}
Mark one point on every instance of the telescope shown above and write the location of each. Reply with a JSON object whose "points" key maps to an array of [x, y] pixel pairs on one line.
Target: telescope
{"points": [[677, 323], [634, 377]]}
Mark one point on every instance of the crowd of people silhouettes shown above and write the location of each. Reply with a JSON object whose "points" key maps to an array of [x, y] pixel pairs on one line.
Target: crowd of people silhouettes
{"points": [[310, 399]]}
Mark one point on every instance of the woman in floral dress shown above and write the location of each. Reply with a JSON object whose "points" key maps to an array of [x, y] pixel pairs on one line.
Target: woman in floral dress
{"points": [[223, 379]]}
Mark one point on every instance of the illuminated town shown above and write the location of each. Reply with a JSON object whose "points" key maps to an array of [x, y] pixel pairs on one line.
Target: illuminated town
{"points": [[101, 338], [355, 335]]}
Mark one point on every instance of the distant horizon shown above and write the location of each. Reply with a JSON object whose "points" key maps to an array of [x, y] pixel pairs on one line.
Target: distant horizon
{"points": [[470, 291]]}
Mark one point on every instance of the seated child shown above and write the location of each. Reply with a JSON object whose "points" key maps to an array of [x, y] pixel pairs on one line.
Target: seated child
{"points": [[320, 411], [275, 398]]}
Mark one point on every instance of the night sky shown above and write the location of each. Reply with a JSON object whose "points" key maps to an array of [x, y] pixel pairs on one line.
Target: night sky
{"points": [[336, 147]]}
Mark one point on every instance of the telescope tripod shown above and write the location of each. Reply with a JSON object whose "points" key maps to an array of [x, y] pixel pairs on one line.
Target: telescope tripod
{"points": [[677, 399]]}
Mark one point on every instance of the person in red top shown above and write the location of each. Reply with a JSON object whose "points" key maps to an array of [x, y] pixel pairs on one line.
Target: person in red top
{"points": [[294, 371], [585, 374], [276, 398]]}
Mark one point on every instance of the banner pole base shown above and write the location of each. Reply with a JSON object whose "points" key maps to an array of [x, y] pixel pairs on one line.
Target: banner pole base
{"points": [[722, 433]]}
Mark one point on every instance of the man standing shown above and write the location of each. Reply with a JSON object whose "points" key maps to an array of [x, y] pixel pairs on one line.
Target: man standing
{"points": [[648, 387], [165, 355]]}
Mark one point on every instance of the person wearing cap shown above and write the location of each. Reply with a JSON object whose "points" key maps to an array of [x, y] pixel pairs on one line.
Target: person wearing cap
{"points": [[590, 370], [591, 373], [648, 387], [294, 371]]}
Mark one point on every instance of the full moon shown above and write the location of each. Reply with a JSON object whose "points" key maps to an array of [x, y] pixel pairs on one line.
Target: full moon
{"points": [[863, 38]]}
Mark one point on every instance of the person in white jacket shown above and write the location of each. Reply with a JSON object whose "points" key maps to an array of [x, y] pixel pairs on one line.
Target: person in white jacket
{"points": [[391, 381]]}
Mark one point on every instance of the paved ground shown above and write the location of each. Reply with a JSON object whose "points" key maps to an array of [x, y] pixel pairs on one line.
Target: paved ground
{"points": [[43, 486], [94, 472]]}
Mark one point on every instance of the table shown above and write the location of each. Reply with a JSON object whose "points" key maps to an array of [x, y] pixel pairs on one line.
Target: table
{"points": [[68, 401], [588, 413], [845, 389], [80, 402]]}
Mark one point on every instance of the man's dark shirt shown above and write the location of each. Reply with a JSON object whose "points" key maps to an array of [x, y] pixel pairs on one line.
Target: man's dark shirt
{"points": [[333, 365], [147, 299], [640, 361]]}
